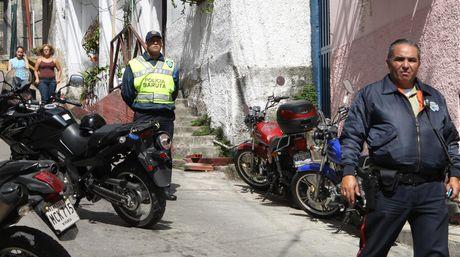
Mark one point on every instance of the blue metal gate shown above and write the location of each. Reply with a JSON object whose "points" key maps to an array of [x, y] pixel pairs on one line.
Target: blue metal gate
{"points": [[325, 51]]}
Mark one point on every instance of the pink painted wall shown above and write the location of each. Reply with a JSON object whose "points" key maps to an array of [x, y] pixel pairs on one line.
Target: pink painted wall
{"points": [[360, 43]]}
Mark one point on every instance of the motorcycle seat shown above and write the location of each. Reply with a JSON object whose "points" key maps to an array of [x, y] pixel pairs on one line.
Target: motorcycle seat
{"points": [[106, 133], [10, 167]]}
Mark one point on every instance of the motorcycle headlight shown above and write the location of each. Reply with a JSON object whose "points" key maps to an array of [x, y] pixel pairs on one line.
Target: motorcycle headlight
{"points": [[164, 141]]}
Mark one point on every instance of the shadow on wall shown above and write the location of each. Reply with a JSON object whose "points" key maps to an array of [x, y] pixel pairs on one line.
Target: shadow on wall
{"points": [[362, 60], [196, 43]]}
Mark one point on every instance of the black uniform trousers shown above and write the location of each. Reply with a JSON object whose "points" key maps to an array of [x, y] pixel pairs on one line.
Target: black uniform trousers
{"points": [[423, 206], [166, 122]]}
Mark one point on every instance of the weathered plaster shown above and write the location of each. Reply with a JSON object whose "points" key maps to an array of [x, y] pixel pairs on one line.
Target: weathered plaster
{"points": [[435, 26], [230, 59]]}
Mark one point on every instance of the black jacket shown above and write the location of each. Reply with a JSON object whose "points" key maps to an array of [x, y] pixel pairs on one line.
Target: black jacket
{"points": [[382, 117]]}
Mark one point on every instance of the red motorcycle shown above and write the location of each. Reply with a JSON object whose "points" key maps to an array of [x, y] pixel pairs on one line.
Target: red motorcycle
{"points": [[269, 159]]}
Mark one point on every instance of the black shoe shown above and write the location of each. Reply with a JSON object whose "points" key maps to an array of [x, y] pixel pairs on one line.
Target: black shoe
{"points": [[169, 196]]}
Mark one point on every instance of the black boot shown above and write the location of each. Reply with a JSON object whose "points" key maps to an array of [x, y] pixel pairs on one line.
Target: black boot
{"points": [[169, 196]]}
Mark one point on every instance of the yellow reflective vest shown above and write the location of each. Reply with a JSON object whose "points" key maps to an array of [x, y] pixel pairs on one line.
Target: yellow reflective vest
{"points": [[154, 84]]}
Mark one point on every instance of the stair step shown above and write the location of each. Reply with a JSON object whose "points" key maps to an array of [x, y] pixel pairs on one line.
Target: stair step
{"points": [[182, 109], [184, 130], [184, 121], [206, 151], [188, 140], [181, 101]]}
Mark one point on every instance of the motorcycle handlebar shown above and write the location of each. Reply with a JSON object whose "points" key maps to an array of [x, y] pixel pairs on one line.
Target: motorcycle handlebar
{"points": [[279, 98], [64, 101], [74, 103]]}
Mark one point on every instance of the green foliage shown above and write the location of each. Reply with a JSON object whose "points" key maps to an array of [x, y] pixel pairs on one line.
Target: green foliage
{"points": [[202, 121], [308, 93], [90, 79], [207, 5], [91, 38], [203, 131], [219, 133]]}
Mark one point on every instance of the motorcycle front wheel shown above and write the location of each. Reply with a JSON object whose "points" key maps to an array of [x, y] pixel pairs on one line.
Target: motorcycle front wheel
{"points": [[25, 241], [319, 204], [146, 204], [250, 169]]}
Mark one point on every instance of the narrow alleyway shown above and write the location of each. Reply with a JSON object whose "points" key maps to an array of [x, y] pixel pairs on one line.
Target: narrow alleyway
{"points": [[213, 216]]}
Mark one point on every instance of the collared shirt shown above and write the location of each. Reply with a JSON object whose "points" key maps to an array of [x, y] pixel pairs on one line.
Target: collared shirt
{"points": [[415, 97]]}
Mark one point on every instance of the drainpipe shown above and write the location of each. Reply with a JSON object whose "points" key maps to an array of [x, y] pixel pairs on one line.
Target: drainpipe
{"points": [[164, 19], [316, 48], [14, 29], [29, 32], [33, 28]]}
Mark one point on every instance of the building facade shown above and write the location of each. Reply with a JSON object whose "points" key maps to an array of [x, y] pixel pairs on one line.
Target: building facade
{"points": [[362, 30]]}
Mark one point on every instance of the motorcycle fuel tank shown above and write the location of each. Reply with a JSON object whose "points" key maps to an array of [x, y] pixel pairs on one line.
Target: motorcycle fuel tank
{"points": [[51, 121], [268, 130]]}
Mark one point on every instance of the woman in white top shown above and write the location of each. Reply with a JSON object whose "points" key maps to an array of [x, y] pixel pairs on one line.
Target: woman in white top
{"points": [[20, 64]]}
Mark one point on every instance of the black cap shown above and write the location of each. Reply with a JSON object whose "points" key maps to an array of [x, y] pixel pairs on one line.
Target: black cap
{"points": [[152, 34]]}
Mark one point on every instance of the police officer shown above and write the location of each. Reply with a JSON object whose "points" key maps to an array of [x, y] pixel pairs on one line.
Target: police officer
{"points": [[411, 141], [150, 87]]}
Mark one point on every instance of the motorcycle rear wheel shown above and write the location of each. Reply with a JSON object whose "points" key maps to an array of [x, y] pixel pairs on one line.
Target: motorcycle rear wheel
{"points": [[26, 241], [244, 163], [303, 187], [147, 205]]}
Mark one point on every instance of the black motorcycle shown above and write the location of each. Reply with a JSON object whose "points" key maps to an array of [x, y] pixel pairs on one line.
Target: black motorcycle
{"points": [[127, 164], [33, 185]]}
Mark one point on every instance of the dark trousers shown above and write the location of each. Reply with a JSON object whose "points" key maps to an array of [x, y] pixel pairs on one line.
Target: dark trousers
{"points": [[47, 87], [166, 122], [425, 209]]}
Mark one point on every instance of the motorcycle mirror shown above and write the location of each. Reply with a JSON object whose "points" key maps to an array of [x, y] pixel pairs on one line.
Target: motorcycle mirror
{"points": [[16, 82], [347, 85], [25, 83], [280, 80], [76, 80]]}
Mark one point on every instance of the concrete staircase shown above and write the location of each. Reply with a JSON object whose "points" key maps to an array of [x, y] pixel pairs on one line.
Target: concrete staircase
{"points": [[184, 143]]}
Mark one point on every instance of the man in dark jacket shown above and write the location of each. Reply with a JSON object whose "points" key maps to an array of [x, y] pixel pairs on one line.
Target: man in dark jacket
{"points": [[150, 87], [397, 118]]}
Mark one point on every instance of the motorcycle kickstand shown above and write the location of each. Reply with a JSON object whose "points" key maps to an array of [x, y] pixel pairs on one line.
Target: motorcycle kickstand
{"points": [[345, 221]]}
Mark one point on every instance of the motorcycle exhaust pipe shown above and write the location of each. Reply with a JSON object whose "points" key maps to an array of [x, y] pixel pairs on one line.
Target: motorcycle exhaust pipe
{"points": [[108, 194], [121, 183]]}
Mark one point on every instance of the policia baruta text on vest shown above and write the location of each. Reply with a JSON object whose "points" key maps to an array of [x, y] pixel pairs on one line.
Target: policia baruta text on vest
{"points": [[154, 84]]}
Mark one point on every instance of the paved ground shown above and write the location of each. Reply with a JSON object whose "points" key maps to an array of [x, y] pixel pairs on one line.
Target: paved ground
{"points": [[213, 216]]}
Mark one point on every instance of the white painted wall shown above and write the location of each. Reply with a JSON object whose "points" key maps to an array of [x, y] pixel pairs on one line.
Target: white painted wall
{"points": [[69, 24], [146, 16], [229, 59]]}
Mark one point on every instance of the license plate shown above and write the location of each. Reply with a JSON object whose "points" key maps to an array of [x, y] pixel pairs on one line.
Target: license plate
{"points": [[62, 215]]}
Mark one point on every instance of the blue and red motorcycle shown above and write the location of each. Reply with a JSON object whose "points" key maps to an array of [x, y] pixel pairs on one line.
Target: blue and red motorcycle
{"points": [[316, 185]]}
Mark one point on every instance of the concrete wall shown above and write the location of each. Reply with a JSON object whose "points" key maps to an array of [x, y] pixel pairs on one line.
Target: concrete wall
{"points": [[361, 32], [229, 59]]}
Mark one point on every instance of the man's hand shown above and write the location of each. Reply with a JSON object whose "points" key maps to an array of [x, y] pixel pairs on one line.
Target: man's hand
{"points": [[350, 188], [453, 183]]}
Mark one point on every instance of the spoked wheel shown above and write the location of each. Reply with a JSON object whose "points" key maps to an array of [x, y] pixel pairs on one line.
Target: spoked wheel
{"points": [[146, 203], [252, 169], [28, 242], [304, 186]]}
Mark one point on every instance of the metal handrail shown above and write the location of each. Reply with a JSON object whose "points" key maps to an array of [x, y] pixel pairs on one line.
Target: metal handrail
{"points": [[123, 44]]}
